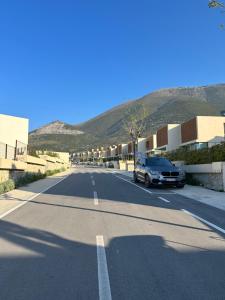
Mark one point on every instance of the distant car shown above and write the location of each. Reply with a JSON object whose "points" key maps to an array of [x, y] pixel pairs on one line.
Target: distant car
{"points": [[158, 171], [110, 165]]}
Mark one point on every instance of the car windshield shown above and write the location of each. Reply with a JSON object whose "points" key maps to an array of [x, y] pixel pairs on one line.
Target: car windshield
{"points": [[158, 161]]}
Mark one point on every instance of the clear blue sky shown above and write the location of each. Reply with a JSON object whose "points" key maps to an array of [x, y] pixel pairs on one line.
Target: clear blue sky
{"points": [[73, 59]]}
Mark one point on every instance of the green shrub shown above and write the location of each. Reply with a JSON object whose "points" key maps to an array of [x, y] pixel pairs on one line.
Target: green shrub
{"points": [[52, 154], [28, 178], [7, 186], [53, 172], [202, 156]]}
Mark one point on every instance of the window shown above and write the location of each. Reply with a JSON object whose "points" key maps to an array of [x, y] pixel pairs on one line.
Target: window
{"points": [[158, 161]]}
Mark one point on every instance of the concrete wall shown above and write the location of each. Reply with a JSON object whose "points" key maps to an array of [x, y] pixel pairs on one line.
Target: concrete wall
{"points": [[8, 164], [122, 165], [124, 149], [116, 164], [174, 136], [113, 152], [211, 176], [130, 165], [12, 129], [141, 146], [15, 169], [210, 129]]}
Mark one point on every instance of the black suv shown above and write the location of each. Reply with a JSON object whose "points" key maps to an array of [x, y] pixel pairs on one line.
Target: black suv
{"points": [[158, 171]]}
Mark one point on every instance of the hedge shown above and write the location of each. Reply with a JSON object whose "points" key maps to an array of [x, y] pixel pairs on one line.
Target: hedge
{"points": [[27, 178], [7, 186], [202, 156]]}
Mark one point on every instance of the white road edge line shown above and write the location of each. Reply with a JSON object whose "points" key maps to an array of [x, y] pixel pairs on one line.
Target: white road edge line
{"points": [[95, 198], [93, 182], [134, 184], [204, 221], [163, 199], [103, 275], [31, 198]]}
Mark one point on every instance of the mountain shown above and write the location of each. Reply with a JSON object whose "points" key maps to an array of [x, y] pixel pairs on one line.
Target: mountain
{"points": [[56, 127], [173, 105]]}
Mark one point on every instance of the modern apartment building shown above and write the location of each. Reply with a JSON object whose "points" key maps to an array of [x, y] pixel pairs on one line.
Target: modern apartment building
{"points": [[113, 151], [169, 137], [151, 144], [122, 150], [141, 145], [13, 129], [203, 131], [130, 148], [13, 136], [65, 156]]}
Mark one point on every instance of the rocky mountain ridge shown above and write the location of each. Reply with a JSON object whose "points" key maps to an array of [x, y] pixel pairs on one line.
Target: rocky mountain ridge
{"points": [[173, 105]]}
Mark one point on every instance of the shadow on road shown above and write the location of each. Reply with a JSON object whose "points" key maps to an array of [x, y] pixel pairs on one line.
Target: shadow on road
{"points": [[44, 265]]}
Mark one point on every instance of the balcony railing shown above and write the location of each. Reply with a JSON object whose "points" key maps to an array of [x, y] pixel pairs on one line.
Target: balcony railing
{"points": [[14, 153]]}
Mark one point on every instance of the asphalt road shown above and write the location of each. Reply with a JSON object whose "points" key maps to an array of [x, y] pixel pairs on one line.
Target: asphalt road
{"points": [[96, 235]]}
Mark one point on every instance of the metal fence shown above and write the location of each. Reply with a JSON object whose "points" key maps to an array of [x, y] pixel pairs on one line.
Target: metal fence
{"points": [[13, 153]]}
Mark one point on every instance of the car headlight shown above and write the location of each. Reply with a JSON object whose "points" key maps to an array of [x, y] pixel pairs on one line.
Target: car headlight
{"points": [[154, 172]]}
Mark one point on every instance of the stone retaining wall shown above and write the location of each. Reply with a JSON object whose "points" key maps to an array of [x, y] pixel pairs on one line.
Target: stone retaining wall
{"points": [[11, 169], [211, 176]]}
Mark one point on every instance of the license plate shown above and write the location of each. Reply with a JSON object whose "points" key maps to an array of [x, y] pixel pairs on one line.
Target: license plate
{"points": [[170, 179]]}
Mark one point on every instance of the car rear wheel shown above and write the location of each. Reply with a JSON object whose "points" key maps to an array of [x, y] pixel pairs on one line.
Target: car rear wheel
{"points": [[147, 181]]}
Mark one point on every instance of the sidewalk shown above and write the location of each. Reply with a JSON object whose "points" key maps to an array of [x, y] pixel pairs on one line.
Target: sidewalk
{"points": [[18, 197], [210, 197]]}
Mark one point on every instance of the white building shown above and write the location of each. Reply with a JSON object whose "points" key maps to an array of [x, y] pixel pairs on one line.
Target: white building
{"points": [[13, 136], [141, 145], [169, 137], [13, 130]]}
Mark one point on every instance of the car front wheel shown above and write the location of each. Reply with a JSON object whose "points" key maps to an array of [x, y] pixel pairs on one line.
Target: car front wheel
{"points": [[147, 181]]}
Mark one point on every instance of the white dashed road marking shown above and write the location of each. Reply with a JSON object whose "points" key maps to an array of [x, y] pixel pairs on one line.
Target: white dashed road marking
{"points": [[204, 221], [163, 199], [95, 198], [103, 275], [147, 191]]}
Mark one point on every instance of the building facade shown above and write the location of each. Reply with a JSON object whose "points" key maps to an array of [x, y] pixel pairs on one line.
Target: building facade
{"points": [[13, 136], [202, 132], [169, 137]]}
